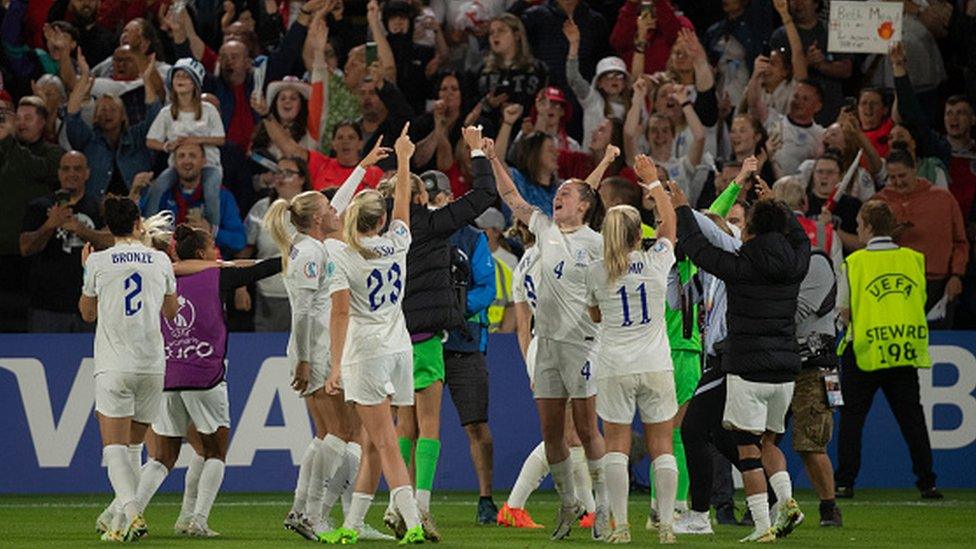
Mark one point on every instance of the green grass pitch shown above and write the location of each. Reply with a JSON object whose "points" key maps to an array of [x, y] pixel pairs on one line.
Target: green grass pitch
{"points": [[876, 518]]}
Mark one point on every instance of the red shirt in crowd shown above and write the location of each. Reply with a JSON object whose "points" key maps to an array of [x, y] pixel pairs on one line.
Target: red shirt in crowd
{"points": [[326, 172], [962, 180], [242, 121], [660, 39], [879, 137]]}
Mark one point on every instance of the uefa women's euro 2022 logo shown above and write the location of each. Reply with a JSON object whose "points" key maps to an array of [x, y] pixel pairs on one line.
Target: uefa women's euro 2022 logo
{"points": [[182, 323]]}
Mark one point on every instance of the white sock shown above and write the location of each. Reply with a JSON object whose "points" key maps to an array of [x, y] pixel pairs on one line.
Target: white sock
{"points": [[354, 458], [134, 452], [211, 478], [599, 480], [316, 483], [423, 500], [533, 471], [358, 508], [402, 497], [582, 482], [331, 452], [122, 477], [666, 486], [340, 481], [681, 505], [562, 477], [781, 487], [759, 505], [153, 474], [618, 484], [190, 485], [304, 470]]}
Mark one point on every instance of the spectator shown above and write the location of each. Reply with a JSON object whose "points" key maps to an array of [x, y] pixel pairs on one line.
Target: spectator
{"points": [[551, 114], [141, 40], [384, 111], [185, 199], [55, 228], [509, 72], [846, 139], [662, 32], [888, 359], [930, 223], [608, 96], [415, 63], [828, 70], [96, 41], [341, 102], [931, 168], [580, 164], [822, 190], [734, 43], [792, 192], [436, 131], [688, 171], [272, 311], [747, 137], [543, 27], [873, 115], [116, 151], [27, 64], [492, 222], [797, 131], [324, 171], [959, 120], [29, 170], [288, 104], [535, 168]]}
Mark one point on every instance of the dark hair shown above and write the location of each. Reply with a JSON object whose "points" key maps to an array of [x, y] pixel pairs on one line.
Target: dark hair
{"points": [[398, 8], [833, 155], [67, 28], [528, 152], [815, 85], [901, 156], [594, 213], [622, 191], [302, 166], [759, 130], [878, 215], [120, 214], [438, 80], [767, 216], [872, 89], [348, 123], [956, 99], [149, 35], [190, 240], [298, 130]]}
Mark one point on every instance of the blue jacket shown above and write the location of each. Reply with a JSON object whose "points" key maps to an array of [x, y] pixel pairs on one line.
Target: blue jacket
{"points": [[131, 154], [232, 236], [481, 291]]}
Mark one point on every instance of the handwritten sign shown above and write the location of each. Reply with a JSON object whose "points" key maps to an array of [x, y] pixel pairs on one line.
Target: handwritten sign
{"points": [[863, 27]]}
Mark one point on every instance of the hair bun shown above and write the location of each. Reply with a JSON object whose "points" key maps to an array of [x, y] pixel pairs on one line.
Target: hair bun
{"points": [[183, 231]]}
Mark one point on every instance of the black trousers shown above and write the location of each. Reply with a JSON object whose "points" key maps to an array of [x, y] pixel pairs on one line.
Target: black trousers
{"points": [[701, 430], [901, 390]]}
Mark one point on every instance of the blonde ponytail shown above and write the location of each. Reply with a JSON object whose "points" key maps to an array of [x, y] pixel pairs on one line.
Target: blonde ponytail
{"points": [[621, 233], [301, 209], [362, 216], [157, 230]]}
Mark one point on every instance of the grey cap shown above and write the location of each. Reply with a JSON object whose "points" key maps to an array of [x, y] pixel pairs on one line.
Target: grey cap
{"points": [[436, 182], [491, 219]]}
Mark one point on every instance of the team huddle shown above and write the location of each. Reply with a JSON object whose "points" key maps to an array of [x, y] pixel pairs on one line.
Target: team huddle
{"points": [[598, 347]]}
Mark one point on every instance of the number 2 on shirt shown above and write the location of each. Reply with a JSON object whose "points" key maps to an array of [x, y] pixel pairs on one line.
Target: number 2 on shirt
{"points": [[374, 283], [133, 287]]}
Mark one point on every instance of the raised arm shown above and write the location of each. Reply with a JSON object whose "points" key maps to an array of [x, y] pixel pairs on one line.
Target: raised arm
{"points": [[343, 196], [510, 116], [401, 194], [697, 148], [506, 187], [596, 176], [647, 174], [632, 124], [798, 57], [383, 50], [580, 87]]}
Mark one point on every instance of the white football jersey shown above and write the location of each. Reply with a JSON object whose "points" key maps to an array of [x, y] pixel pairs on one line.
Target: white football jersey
{"points": [[308, 293], [130, 280], [524, 278], [376, 323], [561, 285], [633, 333]]}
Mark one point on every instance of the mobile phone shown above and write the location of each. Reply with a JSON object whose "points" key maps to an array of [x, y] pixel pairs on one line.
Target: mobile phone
{"points": [[371, 54], [503, 87], [62, 197], [647, 6]]}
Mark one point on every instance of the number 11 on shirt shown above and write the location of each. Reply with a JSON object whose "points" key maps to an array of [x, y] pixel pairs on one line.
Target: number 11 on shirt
{"points": [[625, 305]]}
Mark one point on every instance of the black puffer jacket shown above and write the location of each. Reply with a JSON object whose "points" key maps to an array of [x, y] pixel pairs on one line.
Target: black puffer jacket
{"points": [[762, 281], [429, 304]]}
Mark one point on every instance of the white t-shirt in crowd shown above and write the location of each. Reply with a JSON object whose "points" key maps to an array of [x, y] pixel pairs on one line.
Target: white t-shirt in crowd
{"points": [[376, 323], [307, 285], [799, 142], [130, 280], [633, 333], [561, 285], [165, 128]]}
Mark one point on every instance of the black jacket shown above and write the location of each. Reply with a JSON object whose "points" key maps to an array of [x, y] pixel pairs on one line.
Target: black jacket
{"points": [[429, 304], [762, 282]]}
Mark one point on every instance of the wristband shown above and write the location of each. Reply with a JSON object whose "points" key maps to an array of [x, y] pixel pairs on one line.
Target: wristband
{"points": [[687, 103], [653, 185]]}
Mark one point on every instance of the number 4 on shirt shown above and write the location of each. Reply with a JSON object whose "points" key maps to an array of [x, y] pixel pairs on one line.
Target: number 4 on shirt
{"points": [[585, 371], [558, 269]]}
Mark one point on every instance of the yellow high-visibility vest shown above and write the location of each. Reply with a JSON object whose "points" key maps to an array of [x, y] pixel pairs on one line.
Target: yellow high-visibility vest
{"points": [[888, 323], [503, 296]]}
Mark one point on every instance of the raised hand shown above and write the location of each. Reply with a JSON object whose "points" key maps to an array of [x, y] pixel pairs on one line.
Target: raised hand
{"points": [[749, 167], [896, 53], [259, 104], [318, 32], [472, 137], [488, 146], [691, 43], [763, 190], [404, 147], [782, 8], [645, 23], [645, 168], [678, 197], [815, 55], [378, 152], [512, 113], [571, 32], [640, 88], [680, 94], [610, 154]]}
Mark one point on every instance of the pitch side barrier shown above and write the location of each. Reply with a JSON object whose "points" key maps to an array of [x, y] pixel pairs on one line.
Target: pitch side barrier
{"points": [[51, 441]]}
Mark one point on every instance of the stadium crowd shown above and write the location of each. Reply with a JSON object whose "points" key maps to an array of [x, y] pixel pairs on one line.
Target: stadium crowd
{"points": [[215, 111]]}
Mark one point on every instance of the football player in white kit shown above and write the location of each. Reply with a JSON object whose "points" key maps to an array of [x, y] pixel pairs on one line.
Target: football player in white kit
{"points": [[372, 357], [125, 288], [307, 283], [565, 333], [626, 293]]}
